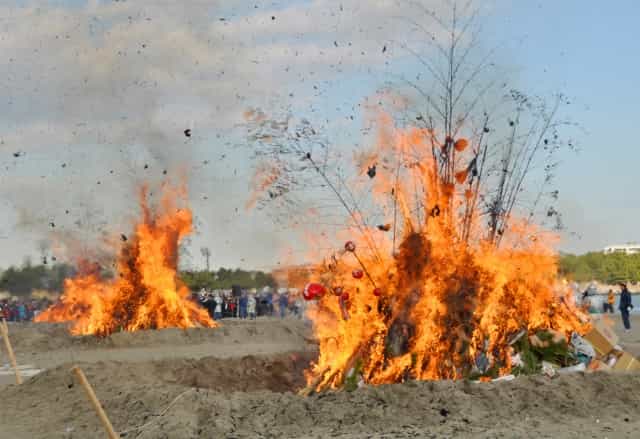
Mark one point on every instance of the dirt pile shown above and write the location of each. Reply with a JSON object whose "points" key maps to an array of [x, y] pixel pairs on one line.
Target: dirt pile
{"points": [[158, 400], [239, 381], [279, 373], [42, 337]]}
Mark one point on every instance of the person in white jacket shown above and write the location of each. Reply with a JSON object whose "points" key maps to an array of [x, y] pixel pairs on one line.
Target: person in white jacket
{"points": [[217, 312], [251, 306]]}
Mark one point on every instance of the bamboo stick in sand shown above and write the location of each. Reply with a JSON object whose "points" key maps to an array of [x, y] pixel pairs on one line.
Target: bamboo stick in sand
{"points": [[5, 334], [95, 402]]}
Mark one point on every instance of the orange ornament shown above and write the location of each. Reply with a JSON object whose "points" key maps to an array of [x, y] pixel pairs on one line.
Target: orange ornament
{"points": [[448, 189], [461, 176], [461, 145], [468, 194]]}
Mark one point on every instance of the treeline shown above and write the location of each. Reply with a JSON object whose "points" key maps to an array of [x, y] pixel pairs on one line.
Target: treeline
{"points": [[224, 278], [23, 280], [606, 268], [20, 281]]}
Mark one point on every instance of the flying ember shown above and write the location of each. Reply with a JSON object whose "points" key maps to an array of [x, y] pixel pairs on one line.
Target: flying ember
{"points": [[146, 292], [438, 294]]}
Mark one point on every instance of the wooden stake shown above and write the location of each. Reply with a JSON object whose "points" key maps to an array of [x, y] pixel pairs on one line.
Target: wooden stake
{"points": [[95, 402], [12, 357]]}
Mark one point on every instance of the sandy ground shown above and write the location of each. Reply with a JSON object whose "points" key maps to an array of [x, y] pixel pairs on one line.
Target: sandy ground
{"points": [[236, 382]]}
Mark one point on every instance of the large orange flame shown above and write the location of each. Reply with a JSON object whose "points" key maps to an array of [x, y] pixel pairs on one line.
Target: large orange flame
{"points": [[146, 293], [433, 300]]}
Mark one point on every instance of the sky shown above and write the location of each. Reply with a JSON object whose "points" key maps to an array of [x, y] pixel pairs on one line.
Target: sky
{"points": [[96, 95]]}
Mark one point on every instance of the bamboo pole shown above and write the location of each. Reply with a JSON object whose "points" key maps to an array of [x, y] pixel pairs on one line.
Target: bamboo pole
{"points": [[95, 402], [5, 334]]}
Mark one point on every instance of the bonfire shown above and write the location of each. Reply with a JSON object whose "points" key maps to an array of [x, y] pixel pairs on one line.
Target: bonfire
{"points": [[146, 292], [440, 287]]}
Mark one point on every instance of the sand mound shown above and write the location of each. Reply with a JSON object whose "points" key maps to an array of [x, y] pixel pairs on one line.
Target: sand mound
{"points": [[234, 382], [41, 337], [244, 403], [279, 373]]}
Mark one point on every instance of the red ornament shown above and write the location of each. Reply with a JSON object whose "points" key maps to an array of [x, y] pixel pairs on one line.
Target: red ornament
{"points": [[357, 274], [313, 291], [344, 297], [350, 246], [338, 291], [377, 292]]}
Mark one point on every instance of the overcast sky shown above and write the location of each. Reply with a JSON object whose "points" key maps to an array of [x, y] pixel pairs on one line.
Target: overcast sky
{"points": [[92, 91]]}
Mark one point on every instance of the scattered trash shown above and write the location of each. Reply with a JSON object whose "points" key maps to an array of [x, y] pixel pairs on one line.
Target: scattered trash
{"points": [[626, 363], [505, 378], [582, 347], [482, 362], [602, 337], [571, 369], [516, 360], [548, 369]]}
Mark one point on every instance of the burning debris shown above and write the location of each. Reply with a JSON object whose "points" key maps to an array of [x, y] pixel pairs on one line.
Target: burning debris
{"points": [[146, 293]]}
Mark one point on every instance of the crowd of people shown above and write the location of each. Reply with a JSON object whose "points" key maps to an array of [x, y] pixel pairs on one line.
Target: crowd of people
{"points": [[22, 310], [249, 304]]}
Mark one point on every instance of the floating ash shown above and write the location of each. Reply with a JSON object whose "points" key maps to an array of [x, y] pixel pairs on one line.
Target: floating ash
{"points": [[146, 292]]}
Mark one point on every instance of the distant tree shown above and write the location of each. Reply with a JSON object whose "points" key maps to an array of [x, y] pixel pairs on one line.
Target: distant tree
{"points": [[607, 268], [24, 280], [225, 278]]}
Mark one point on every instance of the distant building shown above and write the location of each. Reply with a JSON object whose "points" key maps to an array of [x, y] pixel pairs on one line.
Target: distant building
{"points": [[628, 249]]}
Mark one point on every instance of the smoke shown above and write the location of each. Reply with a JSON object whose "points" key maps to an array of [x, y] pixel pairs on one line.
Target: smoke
{"points": [[97, 98]]}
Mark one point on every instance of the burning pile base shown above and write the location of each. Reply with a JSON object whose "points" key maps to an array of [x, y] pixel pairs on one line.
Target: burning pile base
{"points": [[436, 310]]}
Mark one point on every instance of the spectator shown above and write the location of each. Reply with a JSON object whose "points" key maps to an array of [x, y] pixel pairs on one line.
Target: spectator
{"points": [[283, 304], [297, 307], [232, 306], [243, 305], [625, 307], [251, 307], [270, 308], [608, 305], [217, 311], [22, 312]]}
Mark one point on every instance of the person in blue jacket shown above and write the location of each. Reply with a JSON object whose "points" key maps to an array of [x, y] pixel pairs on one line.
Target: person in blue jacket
{"points": [[625, 307]]}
